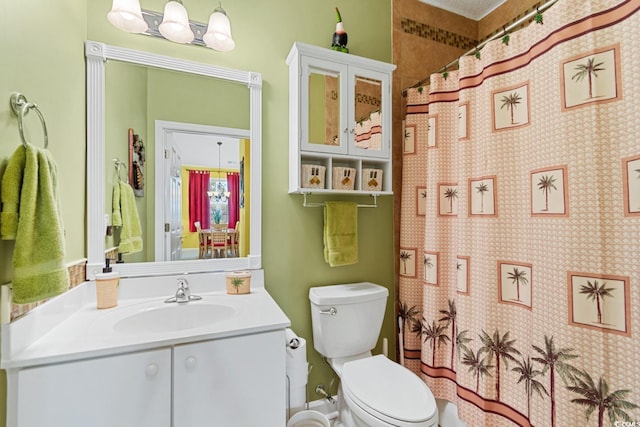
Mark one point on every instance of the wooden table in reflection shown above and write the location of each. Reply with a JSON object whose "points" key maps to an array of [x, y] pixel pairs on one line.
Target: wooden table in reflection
{"points": [[218, 243]]}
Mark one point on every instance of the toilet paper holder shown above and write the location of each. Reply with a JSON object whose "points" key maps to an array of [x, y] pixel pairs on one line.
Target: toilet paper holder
{"points": [[293, 343]]}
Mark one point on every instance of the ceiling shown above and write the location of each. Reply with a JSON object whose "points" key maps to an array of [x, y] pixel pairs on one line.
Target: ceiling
{"points": [[201, 150], [472, 9]]}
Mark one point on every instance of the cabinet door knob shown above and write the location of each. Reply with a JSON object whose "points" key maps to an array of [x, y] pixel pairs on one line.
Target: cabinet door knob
{"points": [[346, 130], [190, 362], [151, 370]]}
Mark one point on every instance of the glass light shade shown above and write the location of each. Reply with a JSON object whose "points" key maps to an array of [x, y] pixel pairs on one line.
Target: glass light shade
{"points": [[127, 16], [175, 23], [218, 35]]}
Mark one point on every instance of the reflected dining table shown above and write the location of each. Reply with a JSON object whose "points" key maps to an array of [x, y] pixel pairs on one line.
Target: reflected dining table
{"points": [[221, 241]]}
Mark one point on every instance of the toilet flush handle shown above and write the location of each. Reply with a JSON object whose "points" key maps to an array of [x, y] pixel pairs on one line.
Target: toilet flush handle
{"points": [[331, 311]]}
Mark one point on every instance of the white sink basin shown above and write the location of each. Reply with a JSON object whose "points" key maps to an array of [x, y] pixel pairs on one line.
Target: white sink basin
{"points": [[174, 317]]}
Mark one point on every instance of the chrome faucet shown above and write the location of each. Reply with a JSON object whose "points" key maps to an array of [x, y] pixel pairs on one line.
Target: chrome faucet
{"points": [[183, 294]]}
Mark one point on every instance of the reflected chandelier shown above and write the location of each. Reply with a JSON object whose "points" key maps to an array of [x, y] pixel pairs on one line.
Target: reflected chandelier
{"points": [[173, 24], [219, 192]]}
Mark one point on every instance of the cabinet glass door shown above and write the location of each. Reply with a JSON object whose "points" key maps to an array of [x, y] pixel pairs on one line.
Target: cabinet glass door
{"points": [[369, 125], [323, 116]]}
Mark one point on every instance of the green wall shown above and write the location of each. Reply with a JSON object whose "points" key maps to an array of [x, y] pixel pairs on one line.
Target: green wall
{"points": [[42, 51]]}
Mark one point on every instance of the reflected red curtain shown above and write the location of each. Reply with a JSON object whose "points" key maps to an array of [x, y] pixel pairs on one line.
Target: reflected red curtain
{"points": [[198, 199], [233, 185]]}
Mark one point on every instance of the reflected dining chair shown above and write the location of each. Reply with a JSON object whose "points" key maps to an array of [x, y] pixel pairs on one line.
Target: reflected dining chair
{"points": [[204, 241], [219, 244], [235, 240]]}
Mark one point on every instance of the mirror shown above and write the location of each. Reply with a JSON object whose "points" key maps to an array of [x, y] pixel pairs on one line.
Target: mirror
{"points": [[324, 109], [324, 115], [200, 110], [368, 110], [98, 190]]}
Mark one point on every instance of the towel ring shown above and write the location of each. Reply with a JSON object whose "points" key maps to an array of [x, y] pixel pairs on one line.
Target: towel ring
{"points": [[119, 165], [21, 107]]}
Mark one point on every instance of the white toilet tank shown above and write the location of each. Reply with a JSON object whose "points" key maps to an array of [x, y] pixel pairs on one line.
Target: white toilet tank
{"points": [[347, 318]]}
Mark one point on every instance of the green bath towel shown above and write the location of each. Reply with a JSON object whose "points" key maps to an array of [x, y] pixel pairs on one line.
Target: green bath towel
{"points": [[131, 233], [31, 216], [340, 233]]}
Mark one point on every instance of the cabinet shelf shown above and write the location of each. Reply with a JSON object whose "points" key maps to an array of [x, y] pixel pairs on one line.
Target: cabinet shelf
{"points": [[339, 123]]}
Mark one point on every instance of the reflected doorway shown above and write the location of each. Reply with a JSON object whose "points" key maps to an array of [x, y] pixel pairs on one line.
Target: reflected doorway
{"points": [[197, 148]]}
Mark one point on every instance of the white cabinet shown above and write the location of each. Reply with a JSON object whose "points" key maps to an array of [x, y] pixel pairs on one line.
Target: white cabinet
{"points": [[131, 390], [234, 382], [339, 122]]}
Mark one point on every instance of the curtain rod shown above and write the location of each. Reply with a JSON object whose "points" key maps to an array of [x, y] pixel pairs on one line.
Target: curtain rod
{"points": [[519, 22]]}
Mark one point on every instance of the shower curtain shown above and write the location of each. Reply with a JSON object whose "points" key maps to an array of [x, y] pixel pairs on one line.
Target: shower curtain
{"points": [[520, 224]]}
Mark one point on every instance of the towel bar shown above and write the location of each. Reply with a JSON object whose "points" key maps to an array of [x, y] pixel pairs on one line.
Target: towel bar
{"points": [[306, 204], [21, 107]]}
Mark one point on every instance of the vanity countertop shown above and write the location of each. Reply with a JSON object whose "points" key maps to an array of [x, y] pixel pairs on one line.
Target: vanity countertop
{"points": [[71, 328]]}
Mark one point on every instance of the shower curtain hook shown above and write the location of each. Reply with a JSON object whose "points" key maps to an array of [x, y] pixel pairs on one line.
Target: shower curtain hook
{"points": [[538, 18], [505, 38]]}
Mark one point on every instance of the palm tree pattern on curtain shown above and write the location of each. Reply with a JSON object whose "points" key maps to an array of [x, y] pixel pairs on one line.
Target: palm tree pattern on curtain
{"points": [[482, 188], [589, 69], [546, 184], [541, 362], [544, 331]]}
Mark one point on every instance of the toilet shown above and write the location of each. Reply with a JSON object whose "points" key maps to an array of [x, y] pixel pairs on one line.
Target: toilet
{"points": [[374, 391]]}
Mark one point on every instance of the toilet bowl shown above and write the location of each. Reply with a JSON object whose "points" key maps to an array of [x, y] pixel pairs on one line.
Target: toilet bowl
{"points": [[374, 391], [379, 392]]}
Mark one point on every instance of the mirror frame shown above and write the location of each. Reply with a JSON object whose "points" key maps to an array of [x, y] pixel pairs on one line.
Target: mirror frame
{"points": [[97, 54]]}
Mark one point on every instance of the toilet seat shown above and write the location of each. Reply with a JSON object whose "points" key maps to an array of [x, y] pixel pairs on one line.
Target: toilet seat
{"points": [[388, 392]]}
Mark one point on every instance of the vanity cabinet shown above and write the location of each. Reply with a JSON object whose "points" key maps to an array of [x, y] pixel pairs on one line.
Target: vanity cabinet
{"points": [[339, 122], [126, 390], [237, 381]]}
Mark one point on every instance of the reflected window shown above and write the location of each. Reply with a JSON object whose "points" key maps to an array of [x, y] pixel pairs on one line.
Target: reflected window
{"points": [[219, 201]]}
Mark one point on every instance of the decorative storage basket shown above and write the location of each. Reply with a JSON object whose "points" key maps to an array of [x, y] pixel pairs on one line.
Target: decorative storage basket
{"points": [[312, 176], [372, 179], [343, 178], [238, 282]]}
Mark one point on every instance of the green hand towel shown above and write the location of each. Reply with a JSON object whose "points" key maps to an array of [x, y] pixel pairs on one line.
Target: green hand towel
{"points": [[131, 233], [10, 194], [116, 215], [340, 233], [38, 258]]}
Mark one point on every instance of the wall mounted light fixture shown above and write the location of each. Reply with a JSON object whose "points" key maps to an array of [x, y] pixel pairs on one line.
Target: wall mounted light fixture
{"points": [[173, 24]]}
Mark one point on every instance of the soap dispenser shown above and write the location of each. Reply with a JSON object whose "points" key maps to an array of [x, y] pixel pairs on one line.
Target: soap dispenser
{"points": [[107, 284]]}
